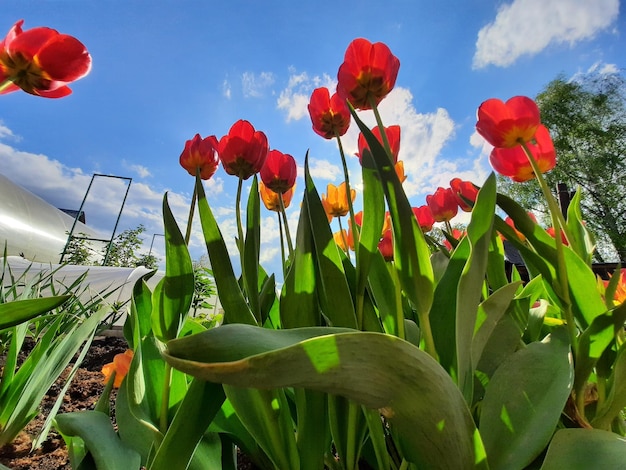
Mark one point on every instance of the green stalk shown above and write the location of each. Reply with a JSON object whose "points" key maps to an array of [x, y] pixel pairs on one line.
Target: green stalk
{"points": [[192, 208], [5, 84], [398, 294], [240, 240], [558, 222], [379, 123], [165, 397], [287, 233], [282, 244]]}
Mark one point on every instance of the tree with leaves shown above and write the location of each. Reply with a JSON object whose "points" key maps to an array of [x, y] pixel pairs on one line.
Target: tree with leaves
{"points": [[124, 247], [586, 117]]}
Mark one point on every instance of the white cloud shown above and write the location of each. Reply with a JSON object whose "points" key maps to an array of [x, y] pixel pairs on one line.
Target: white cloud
{"points": [[140, 170], [526, 27], [295, 97], [254, 85], [6, 133], [226, 89], [324, 170]]}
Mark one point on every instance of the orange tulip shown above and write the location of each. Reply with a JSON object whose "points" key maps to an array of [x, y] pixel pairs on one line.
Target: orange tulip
{"points": [[119, 366], [336, 202], [506, 125], [243, 150], [552, 233], [341, 239], [400, 171], [200, 153], [511, 224], [41, 61], [513, 162], [329, 114], [368, 73], [620, 292], [271, 199]]}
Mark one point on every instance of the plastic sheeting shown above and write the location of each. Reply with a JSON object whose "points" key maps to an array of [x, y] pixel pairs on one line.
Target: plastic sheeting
{"points": [[33, 228], [99, 280]]}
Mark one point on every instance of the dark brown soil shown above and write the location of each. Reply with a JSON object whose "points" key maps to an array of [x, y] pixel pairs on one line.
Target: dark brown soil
{"points": [[82, 395]]}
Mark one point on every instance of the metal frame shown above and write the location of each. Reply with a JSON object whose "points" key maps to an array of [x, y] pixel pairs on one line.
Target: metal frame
{"points": [[119, 215]]}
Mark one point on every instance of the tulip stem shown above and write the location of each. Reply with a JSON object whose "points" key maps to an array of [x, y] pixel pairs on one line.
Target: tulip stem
{"points": [[239, 226], [558, 222], [192, 208], [287, 233], [282, 244], [379, 123], [5, 84], [165, 399]]}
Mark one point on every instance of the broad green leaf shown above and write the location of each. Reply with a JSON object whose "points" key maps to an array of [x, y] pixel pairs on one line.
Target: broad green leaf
{"points": [[489, 314], [595, 339], [18, 311], [387, 295], [266, 415], [236, 309], [173, 294], [583, 449], [471, 282], [524, 400], [616, 400], [313, 437], [580, 238], [422, 404], [93, 427], [411, 253], [192, 419], [333, 291], [298, 301], [443, 312]]}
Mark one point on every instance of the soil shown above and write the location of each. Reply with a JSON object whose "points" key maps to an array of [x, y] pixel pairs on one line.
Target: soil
{"points": [[83, 394]]}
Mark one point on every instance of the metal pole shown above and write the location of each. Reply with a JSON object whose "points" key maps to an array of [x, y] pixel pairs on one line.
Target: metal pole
{"points": [[69, 236], [119, 215], [151, 244]]}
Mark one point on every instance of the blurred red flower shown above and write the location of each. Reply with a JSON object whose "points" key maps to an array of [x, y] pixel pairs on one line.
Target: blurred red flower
{"points": [[393, 137], [620, 291], [457, 235], [200, 153], [368, 73], [385, 245], [513, 162], [41, 61], [464, 191], [329, 114], [442, 204], [271, 200], [424, 218], [243, 150], [279, 171], [505, 125], [552, 233], [511, 224]]}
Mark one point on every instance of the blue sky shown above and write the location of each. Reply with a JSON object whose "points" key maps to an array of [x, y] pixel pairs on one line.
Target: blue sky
{"points": [[166, 70]]}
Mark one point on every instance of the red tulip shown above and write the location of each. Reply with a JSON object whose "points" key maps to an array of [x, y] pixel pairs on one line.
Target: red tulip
{"points": [[329, 114], [513, 162], [358, 220], [243, 150], [200, 153], [511, 224], [457, 235], [505, 125], [424, 218], [442, 204], [550, 231], [464, 191], [279, 171], [385, 245], [393, 137], [41, 61], [368, 73]]}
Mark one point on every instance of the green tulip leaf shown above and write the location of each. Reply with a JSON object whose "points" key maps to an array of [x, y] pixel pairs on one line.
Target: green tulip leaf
{"points": [[95, 429], [616, 400], [173, 294], [251, 250], [582, 449], [236, 309], [423, 406], [524, 400], [18, 311]]}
